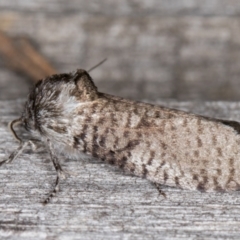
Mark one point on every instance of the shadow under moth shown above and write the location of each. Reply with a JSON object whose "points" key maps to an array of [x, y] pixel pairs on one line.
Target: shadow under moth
{"points": [[169, 147]]}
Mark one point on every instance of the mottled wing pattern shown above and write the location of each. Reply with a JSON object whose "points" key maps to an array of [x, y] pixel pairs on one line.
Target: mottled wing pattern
{"points": [[166, 146]]}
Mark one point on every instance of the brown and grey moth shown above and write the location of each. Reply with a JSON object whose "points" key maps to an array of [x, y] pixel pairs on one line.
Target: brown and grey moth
{"points": [[169, 147]]}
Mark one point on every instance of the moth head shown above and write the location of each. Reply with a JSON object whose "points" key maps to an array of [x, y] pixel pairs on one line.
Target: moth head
{"points": [[50, 96]]}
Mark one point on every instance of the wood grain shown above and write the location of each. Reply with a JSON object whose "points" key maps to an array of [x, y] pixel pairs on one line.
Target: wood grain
{"points": [[183, 50], [100, 202]]}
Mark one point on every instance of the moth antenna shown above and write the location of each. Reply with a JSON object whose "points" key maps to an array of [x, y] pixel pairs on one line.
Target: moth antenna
{"points": [[100, 63], [11, 127]]}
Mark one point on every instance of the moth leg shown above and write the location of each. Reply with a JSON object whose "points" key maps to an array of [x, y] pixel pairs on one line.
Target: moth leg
{"points": [[17, 152], [161, 192], [34, 144], [59, 170]]}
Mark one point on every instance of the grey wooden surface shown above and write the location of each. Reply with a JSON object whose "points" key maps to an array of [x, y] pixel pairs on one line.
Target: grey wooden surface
{"points": [[100, 202], [182, 49]]}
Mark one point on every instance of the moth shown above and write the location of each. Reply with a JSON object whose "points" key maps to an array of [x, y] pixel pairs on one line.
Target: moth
{"points": [[68, 114]]}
